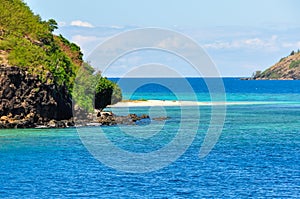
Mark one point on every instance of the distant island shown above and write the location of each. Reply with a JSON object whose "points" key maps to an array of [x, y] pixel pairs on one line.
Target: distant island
{"points": [[288, 68], [42, 75]]}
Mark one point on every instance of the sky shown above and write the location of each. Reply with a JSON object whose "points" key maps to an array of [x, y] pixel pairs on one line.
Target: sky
{"points": [[240, 36]]}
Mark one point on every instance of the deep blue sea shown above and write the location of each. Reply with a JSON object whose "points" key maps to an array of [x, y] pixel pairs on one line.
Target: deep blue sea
{"points": [[256, 155]]}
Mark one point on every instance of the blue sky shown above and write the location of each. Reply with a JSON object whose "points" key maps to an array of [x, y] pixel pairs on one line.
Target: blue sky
{"points": [[239, 36]]}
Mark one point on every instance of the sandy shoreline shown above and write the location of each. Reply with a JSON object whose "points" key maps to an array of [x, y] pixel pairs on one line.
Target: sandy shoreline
{"points": [[146, 103]]}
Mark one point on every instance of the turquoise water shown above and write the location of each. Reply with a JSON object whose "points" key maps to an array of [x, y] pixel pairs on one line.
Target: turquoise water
{"points": [[257, 154]]}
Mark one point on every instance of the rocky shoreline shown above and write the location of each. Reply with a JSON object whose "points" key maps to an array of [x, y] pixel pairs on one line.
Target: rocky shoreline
{"points": [[100, 119], [26, 102], [103, 119], [252, 78], [107, 118]]}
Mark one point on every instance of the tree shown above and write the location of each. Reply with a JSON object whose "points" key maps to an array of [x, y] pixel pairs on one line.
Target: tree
{"points": [[256, 73], [107, 93], [52, 25]]}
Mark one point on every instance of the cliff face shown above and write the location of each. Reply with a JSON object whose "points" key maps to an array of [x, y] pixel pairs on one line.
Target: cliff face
{"points": [[287, 68], [27, 102]]}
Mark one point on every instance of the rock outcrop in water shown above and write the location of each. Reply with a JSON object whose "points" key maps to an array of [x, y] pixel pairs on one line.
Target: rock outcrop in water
{"points": [[108, 118]]}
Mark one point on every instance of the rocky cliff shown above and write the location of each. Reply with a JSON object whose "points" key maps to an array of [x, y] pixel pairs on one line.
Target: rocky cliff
{"points": [[25, 101]]}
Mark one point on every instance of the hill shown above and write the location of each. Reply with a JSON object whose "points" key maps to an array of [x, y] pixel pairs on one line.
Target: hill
{"points": [[26, 41], [288, 68], [38, 71]]}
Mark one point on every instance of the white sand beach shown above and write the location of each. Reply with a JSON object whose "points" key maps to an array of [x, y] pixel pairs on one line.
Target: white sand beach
{"points": [[150, 103]]}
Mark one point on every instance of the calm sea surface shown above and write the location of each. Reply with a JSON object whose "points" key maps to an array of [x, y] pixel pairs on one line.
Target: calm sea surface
{"points": [[257, 154]]}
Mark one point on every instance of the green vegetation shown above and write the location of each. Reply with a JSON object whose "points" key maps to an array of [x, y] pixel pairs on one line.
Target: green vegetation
{"points": [[294, 64], [107, 93], [137, 100], [268, 74], [274, 76], [31, 45], [94, 91], [287, 68], [26, 41]]}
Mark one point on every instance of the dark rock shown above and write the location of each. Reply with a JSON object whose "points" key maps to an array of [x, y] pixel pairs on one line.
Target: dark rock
{"points": [[144, 116], [60, 124], [70, 123], [108, 119], [28, 102]]}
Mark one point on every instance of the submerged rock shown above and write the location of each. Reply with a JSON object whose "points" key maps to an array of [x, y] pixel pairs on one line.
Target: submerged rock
{"points": [[108, 119]]}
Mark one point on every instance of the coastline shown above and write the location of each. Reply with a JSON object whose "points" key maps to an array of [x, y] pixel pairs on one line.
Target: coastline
{"points": [[167, 103]]}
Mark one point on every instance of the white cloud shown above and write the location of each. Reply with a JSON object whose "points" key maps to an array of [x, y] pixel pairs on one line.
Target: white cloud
{"points": [[62, 23], [116, 27], [81, 24], [170, 43], [176, 43], [271, 44], [87, 43], [218, 45], [81, 40], [293, 45]]}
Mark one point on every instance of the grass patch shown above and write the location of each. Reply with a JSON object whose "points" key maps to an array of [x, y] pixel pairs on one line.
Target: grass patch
{"points": [[294, 64], [138, 100]]}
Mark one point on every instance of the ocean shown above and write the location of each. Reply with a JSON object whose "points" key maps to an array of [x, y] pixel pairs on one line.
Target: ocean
{"points": [[256, 154]]}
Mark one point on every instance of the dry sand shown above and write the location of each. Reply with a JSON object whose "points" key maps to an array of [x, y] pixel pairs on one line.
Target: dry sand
{"points": [[146, 103]]}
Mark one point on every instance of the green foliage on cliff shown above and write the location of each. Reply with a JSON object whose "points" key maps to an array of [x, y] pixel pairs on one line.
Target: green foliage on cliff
{"points": [[29, 43], [294, 64], [94, 91], [84, 88], [18, 20], [26, 41], [107, 92], [287, 68]]}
